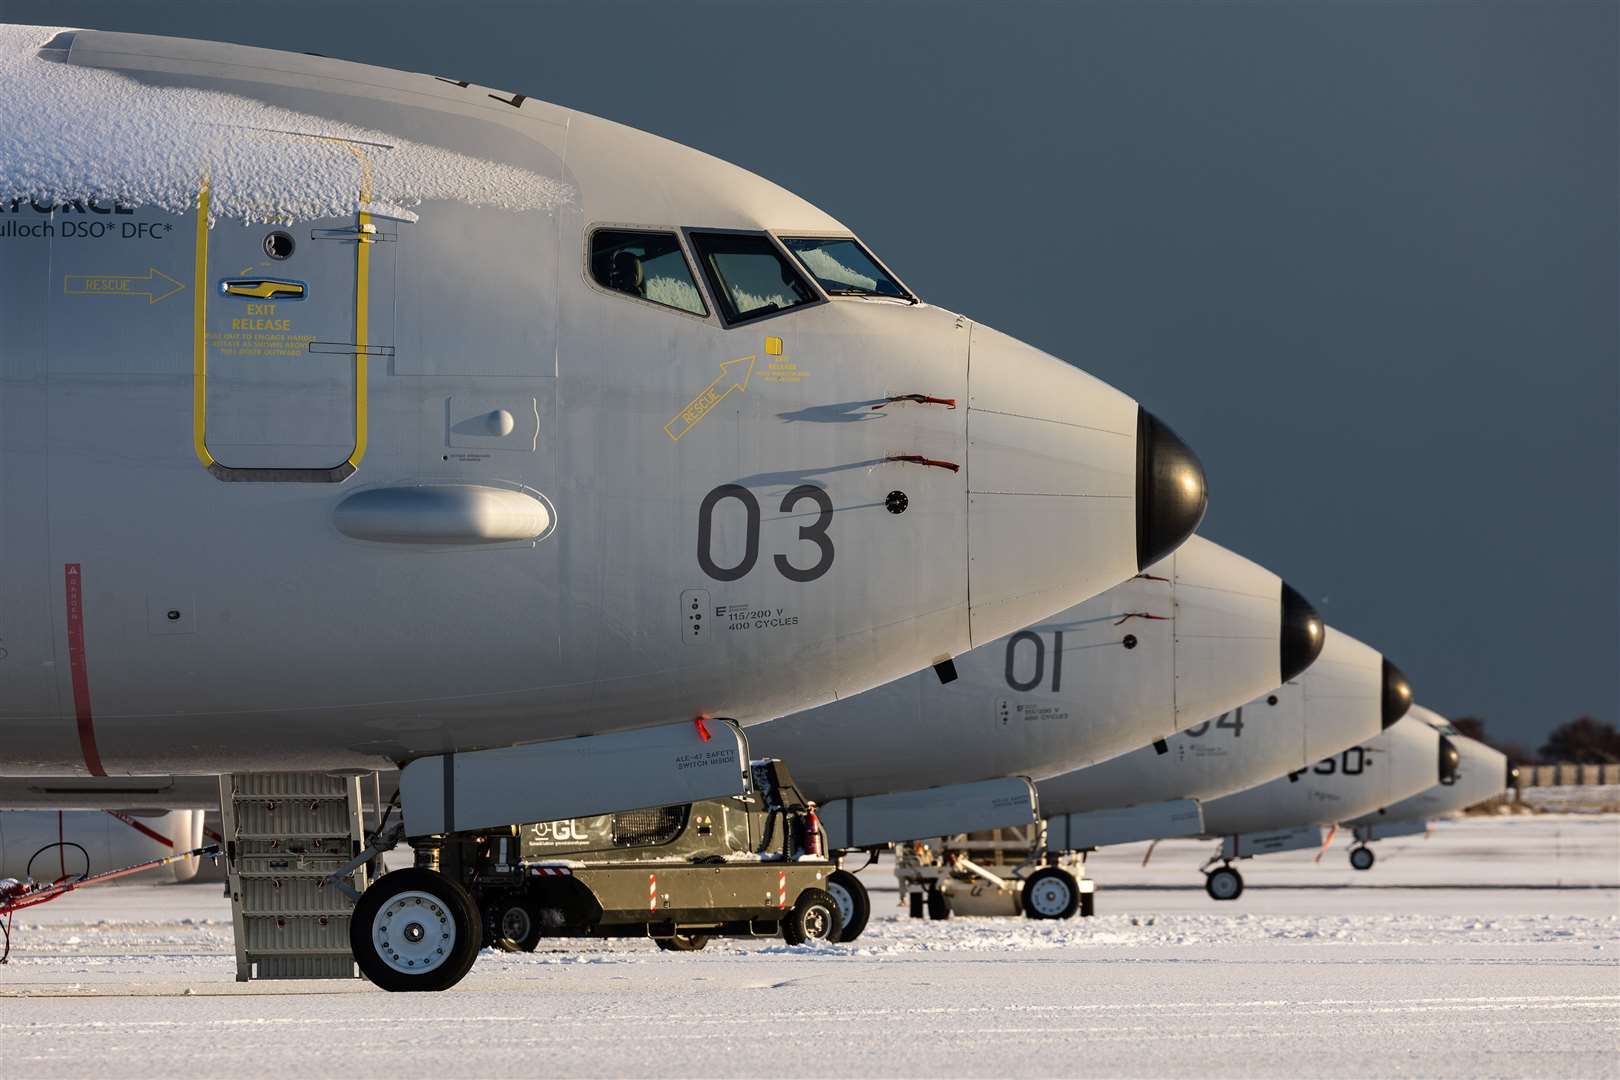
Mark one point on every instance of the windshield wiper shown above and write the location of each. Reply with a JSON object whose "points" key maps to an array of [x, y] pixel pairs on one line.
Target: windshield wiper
{"points": [[872, 294]]}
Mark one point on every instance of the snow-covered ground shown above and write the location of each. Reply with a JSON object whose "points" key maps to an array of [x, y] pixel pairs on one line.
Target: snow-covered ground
{"points": [[1490, 948]]}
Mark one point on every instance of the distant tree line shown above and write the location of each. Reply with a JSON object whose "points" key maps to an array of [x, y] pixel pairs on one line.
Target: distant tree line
{"points": [[1584, 741]]}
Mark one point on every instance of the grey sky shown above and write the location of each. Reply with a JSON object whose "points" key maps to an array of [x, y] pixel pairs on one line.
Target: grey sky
{"points": [[1362, 256]]}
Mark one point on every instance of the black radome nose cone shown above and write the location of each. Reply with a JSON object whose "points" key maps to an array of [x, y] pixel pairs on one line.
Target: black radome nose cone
{"points": [[1450, 761], [1397, 693], [1171, 495], [1302, 633]]}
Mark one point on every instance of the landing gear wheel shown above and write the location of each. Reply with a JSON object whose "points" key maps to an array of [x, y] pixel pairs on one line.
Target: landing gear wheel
{"points": [[1224, 883], [1361, 858], [1051, 893], [939, 905], [854, 906], [814, 917], [512, 925], [916, 903], [683, 942], [415, 929]]}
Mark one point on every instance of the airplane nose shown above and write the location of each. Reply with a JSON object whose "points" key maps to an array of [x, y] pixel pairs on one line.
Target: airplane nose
{"points": [[1071, 488], [1397, 694], [1171, 495], [1302, 633]]}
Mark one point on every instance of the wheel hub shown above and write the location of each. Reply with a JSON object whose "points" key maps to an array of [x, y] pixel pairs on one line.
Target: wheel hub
{"points": [[413, 933], [845, 902], [816, 922], [515, 923], [1050, 898]]}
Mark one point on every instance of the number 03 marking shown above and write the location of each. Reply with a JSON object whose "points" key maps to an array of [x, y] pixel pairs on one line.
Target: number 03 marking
{"points": [[814, 533]]}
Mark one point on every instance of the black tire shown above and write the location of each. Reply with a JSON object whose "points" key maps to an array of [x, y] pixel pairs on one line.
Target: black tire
{"points": [[1050, 893], [1362, 858], [854, 906], [683, 942], [939, 905], [1224, 883], [814, 917], [1088, 904], [512, 924], [915, 903], [400, 912]]}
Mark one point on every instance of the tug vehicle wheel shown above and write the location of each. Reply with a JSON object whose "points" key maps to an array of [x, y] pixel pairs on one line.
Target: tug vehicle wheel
{"points": [[1224, 883], [814, 917], [854, 906], [1361, 858], [683, 942], [1051, 893], [513, 925], [415, 929], [939, 905], [915, 902]]}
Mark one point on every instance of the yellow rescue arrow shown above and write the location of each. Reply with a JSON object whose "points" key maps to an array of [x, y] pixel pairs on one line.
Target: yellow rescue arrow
{"points": [[155, 285], [710, 396]]}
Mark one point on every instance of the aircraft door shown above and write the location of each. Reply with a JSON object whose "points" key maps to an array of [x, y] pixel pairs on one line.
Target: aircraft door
{"points": [[288, 318]]}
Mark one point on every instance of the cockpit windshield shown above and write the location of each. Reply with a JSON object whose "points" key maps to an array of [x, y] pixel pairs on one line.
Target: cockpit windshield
{"points": [[844, 268], [749, 276]]}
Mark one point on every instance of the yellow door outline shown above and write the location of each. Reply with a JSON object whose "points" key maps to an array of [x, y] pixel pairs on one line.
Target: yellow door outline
{"points": [[199, 348]]}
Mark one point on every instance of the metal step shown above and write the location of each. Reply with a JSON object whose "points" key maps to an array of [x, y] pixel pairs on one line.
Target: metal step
{"points": [[284, 834]]}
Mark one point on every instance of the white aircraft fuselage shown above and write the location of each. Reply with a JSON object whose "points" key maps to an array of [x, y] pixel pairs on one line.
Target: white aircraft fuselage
{"points": [[1346, 697], [1481, 773], [349, 416], [1195, 634], [1399, 762]]}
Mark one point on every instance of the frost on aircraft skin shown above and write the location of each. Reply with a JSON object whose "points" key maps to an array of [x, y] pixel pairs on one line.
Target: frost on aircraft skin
{"points": [[79, 133]]}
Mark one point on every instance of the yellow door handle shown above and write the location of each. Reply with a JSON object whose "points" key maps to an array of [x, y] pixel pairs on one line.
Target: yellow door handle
{"points": [[263, 288]]}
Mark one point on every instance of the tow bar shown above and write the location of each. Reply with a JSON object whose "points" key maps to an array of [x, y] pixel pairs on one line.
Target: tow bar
{"points": [[16, 895]]}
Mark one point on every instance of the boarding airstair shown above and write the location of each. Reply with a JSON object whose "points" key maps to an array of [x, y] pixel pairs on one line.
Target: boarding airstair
{"points": [[284, 835]]}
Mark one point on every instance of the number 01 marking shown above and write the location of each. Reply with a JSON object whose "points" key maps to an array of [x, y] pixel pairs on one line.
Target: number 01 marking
{"points": [[814, 533], [1040, 660]]}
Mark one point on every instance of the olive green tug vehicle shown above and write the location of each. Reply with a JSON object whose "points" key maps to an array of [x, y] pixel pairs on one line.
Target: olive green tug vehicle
{"points": [[751, 866]]}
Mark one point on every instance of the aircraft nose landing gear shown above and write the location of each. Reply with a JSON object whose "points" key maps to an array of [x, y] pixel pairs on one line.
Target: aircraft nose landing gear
{"points": [[1224, 883], [1361, 857], [415, 929]]}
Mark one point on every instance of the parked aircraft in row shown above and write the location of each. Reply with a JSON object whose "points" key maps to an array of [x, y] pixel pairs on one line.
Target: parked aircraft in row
{"points": [[1480, 774], [450, 420], [439, 429], [1289, 811]]}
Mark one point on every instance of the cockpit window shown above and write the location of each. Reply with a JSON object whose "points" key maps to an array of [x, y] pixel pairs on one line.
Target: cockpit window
{"points": [[749, 276], [647, 265], [844, 268]]}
